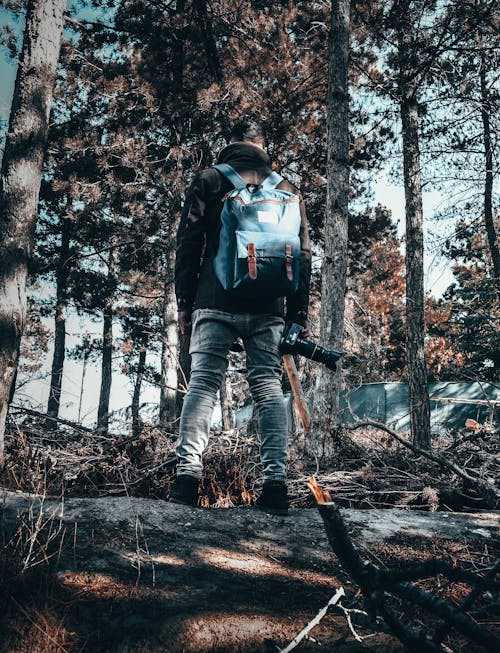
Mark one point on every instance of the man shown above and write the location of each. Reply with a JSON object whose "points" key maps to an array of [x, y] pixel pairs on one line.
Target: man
{"points": [[216, 318]]}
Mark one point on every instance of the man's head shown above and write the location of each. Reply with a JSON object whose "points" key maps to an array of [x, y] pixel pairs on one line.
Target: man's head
{"points": [[248, 130]]}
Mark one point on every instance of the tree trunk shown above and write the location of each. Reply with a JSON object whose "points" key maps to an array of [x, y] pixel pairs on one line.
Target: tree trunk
{"points": [[106, 371], [136, 397], [86, 354], [107, 355], [226, 403], [488, 184], [20, 178], [333, 271], [183, 371], [178, 47], [415, 324], [206, 28], [168, 390], [60, 323]]}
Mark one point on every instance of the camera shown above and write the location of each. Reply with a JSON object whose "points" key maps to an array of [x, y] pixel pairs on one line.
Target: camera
{"points": [[291, 343]]}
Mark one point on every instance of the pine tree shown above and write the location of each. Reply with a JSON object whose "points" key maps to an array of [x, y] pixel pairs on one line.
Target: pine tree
{"points": [[408, 88], [475, 309], [411, 37], [334, 267], [20, 179], [460, 127], [146, 94], [460, 120]]}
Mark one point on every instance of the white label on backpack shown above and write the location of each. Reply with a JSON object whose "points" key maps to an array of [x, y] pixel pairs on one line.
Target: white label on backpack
{"points": [[267, 216]]}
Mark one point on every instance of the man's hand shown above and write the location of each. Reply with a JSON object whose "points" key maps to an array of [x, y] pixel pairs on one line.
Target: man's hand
{"points": [[184, 320], [305, 333]]}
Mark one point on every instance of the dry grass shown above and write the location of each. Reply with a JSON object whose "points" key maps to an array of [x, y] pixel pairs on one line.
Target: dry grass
{"points": [[369, 470]]}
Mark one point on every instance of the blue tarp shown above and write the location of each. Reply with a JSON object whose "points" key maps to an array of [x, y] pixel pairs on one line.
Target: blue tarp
{"points": [[451, 404]]}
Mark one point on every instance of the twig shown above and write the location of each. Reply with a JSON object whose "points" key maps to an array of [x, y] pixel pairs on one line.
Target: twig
{"points": [[347, 613], [57, 420], [298, 638], [149, 472], [374, 583], [469, 600]]}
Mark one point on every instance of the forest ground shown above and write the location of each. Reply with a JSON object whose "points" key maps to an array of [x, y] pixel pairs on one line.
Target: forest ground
{"points": [[126, 571]]}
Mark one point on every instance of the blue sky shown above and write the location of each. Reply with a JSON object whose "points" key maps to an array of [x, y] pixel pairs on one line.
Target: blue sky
{"points": [[7, 66]]}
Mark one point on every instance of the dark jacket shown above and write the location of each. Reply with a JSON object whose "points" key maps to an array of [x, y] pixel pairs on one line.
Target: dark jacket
{"points": [[196, 284]]}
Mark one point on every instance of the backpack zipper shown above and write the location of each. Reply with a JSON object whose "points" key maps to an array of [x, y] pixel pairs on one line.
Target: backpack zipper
{"points": [[269, 201]]}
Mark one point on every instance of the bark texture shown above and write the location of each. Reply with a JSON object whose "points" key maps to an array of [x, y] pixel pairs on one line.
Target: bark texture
{"points": [[107, 354], [168, 390], [20, 178], [333, 272], [183, 371], [136, 397], [206, 27], [488, 182], [415, 324], [86, 355], [54, 401]]}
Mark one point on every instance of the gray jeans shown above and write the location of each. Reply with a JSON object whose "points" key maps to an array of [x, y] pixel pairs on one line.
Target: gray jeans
{"points": [[213, 333]]}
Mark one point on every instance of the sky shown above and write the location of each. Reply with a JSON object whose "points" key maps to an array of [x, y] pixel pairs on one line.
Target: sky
{"points": [[7, 68], [437, 277]]}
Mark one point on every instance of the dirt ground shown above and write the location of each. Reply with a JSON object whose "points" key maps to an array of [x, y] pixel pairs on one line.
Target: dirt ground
{"points": [[115, 567], [135, 575]]}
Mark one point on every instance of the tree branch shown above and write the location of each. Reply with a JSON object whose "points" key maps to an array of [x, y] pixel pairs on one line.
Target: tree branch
{"points": [[450, 615], [487, 490], [374, 583], [56, 420]]}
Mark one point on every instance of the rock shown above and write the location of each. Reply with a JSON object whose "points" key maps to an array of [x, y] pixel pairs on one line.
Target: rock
{"points": [[145, 575]]}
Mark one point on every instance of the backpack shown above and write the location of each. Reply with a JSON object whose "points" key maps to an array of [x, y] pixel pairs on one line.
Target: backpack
{"points": [[259, 244]]}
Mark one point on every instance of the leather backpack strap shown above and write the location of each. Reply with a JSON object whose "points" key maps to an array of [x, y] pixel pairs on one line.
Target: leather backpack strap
{"points": [[288, 262], [252, 261]]}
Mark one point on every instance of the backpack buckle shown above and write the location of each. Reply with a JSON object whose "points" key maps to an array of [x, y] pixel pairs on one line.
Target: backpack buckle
{"points": [[253, 188], [288, 262], [252, 261]]}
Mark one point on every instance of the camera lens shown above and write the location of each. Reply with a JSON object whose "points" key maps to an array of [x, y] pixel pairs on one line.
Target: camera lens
{"points": [[328, 358], [292, 343], [317, 353]]}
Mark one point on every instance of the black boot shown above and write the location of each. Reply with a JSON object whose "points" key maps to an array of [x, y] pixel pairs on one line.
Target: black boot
{"points": [[185, 490], [273, 498]]}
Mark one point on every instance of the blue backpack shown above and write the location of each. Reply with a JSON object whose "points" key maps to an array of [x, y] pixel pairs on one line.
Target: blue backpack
{"points": [[259, 244]]}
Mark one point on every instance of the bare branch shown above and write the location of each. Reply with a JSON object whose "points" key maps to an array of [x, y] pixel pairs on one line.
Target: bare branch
{"points": [[484, 487]]}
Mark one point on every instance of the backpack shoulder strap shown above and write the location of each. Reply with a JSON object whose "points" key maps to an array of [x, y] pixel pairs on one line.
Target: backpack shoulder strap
{"points": [[272, 181], [231, 174]]}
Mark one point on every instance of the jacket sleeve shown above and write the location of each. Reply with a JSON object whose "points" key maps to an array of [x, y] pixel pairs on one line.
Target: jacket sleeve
{"points": [[190, 243], [297, 305]]}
